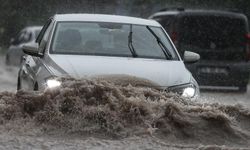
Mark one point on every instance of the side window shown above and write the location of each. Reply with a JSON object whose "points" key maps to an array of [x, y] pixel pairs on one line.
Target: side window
{"points": [[166, 22], [43, 36], [42, 33], [26, 37]]}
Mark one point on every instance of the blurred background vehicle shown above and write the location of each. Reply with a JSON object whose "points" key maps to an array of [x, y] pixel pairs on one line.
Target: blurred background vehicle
{"points": [[27, 35], [220, 37]]}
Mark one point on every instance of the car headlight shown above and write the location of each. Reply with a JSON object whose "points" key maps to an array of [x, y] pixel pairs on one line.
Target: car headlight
{"points": [[52, 83], [187, 90]]}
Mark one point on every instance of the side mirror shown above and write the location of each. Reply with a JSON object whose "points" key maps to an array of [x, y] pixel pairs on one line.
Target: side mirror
{"points": [[32, 49], [191, 57]]}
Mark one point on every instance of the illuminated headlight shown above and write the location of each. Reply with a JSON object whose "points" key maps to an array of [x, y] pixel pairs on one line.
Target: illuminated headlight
{"points": [[187, 90], [52, 83]]}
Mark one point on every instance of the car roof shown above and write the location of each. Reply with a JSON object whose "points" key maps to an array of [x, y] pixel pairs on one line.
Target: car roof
{"points": [[199, 12], [105, 18], [33, 28]]}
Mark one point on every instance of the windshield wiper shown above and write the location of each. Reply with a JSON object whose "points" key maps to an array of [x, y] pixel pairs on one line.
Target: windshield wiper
{"points": [[163, 47], [130, 43]]}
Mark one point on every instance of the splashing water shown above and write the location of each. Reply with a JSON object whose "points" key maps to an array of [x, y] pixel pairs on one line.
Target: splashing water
{"points": [[108, 109]]}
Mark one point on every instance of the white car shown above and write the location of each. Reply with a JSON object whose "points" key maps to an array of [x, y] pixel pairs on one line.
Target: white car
{"points": [[89, 45], [27, 35]]}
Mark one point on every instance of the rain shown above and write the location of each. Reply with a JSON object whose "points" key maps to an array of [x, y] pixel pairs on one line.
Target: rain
{"points": [[125, 111]]}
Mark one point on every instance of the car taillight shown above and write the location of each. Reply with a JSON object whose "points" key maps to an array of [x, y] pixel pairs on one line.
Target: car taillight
{"points": [[248, 46]]}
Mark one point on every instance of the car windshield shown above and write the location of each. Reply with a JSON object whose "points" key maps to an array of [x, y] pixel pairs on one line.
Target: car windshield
{"points": [[109, 39]]}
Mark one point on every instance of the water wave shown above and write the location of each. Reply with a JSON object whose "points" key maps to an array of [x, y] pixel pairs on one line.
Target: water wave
{"points": [[110, 109]]}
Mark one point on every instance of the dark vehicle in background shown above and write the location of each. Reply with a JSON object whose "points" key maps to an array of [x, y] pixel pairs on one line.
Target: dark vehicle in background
{"points": [[220, 37], [27, 35]]}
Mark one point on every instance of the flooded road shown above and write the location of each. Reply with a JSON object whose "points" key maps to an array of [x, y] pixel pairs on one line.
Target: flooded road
{"points": [[228, 98], [93, 114]]}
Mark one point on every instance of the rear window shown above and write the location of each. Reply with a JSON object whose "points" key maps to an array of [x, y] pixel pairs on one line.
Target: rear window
{"points": [[204, 34], [165, 21]]}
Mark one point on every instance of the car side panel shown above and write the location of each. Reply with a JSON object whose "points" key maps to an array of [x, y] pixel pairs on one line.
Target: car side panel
{"points": [[33, 73], [42, 73], [27, 74]]}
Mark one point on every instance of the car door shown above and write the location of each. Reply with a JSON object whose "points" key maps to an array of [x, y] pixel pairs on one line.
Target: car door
{"points": [[33, 66]]}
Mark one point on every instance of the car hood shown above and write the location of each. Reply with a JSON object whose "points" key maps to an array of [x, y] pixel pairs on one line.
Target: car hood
{"points": [[162, 72]]}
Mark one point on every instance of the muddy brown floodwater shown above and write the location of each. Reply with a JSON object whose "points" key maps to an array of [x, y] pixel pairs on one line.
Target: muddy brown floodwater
{"points": [[102, 114]]}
